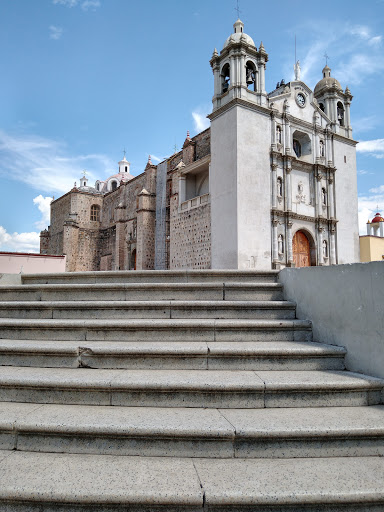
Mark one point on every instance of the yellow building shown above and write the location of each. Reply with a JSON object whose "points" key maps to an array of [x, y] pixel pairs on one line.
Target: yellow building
{"points": [[372, 244]]}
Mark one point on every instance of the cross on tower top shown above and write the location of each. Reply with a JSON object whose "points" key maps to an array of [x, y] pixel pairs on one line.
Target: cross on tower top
{"points": [[124, 152], [237, 8], [326, 58]]}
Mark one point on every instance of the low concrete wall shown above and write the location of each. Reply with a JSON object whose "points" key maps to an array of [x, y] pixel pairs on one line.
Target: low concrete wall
{"points": [[28, 263], [346, 306]]}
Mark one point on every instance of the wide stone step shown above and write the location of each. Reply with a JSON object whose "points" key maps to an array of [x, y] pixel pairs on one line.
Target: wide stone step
{"points": [[188, 388], [187, 432], [50, 482], [156, 330], [142, 291], [223, 309], [173, 355], [154, 276]]}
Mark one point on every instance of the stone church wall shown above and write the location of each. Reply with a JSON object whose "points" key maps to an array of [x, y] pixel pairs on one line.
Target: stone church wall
{"points": [[190, 244]]}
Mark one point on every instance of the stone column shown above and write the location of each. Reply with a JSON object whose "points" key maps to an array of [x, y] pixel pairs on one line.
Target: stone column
{"points": [[320, 246], [273, 132], [262, 76], [288, 186], [145, 244], [71, 244], [242, 69], [317, 145], [332, 249], [182, 188], [289, 243], [331, 203], [275, 255], [381, 228], [319, 208], [274, 185], [287, 133]]}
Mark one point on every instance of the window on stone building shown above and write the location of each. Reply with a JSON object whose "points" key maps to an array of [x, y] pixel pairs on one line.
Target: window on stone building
{"points": [[98, 187], [297, 148], [95, 212], [321, 105], [114, 185]]}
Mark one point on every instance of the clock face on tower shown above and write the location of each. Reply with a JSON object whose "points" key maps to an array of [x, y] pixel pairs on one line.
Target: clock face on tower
{"points": [[300, 98]]}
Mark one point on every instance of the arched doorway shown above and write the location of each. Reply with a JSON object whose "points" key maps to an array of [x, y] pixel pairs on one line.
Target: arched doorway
{"points": [[301, 250]]}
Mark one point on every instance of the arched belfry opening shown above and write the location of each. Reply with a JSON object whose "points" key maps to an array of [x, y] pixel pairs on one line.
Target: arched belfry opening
{"points": [[340, 113], [250, 76], [225, 78]]}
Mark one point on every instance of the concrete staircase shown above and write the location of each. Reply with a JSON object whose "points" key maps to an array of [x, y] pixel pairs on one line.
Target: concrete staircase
{"points": [[178, 391]]}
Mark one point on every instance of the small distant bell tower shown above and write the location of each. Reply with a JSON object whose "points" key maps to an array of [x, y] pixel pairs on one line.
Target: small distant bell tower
{"points": [[239, 70], [124, 165]]}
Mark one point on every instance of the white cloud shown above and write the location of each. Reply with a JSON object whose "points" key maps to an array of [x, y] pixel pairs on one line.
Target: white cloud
{"points": [[156, 158], [375, 41], [90, 5], [44, 205], [19, 242], [86, 5], [373, 147], [350, 70], [353, 48], [362, 172], [55, 32], [45, 165], [67, 3], [377, 190], [200, 120]]}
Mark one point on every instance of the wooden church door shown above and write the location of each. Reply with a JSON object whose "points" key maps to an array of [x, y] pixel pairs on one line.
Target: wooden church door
{"points": [[301, 250]]}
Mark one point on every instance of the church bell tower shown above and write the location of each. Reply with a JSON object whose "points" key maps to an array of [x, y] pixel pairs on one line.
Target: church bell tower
{"points": [[239, 70], [240, 161]]}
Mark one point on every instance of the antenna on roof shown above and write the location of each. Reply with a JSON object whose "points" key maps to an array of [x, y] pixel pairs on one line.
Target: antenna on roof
{"points": [[237, 9]]}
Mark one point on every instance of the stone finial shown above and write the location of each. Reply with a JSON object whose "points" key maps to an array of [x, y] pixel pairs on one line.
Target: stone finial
{"points": [[348, 92], [261, 47], [215, 53], [150, 164], [188, 140]]}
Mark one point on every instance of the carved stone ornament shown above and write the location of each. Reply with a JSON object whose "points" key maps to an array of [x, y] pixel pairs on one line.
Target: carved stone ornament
{"points": [[300, 196]]}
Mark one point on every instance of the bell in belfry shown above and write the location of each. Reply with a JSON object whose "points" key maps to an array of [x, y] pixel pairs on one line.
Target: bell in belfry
{"points": [[250, 76]]}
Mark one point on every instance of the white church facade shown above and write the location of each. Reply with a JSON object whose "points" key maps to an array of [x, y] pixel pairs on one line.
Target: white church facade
{"points": [[271, 183]]}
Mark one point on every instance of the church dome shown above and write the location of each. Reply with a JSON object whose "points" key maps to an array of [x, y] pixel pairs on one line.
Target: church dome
{"points": [[239, 35], [327, 82], [377, 218]]}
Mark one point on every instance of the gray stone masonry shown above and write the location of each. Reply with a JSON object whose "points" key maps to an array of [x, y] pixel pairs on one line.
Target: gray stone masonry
{"points": [[178, 391]]}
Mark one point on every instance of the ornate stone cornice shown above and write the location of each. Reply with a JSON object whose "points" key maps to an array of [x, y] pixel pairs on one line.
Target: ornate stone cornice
{"points": [[295, 216], [238, 102]]}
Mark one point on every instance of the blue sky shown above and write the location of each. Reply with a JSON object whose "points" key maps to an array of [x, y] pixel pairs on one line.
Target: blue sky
{"points": [[83, 79]]}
